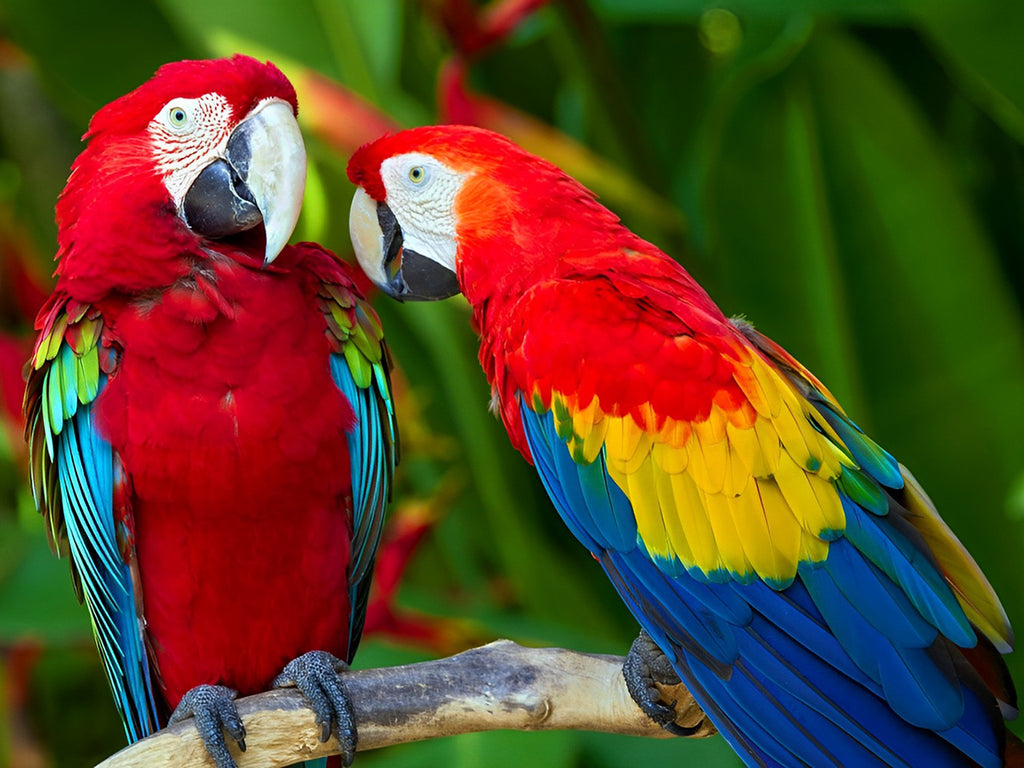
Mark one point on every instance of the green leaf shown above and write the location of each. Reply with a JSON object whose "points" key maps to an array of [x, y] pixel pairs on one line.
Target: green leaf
{"points": [[666, 11], [777, 250], [934, 314], [90, 57], [981, 41], [436, 350], [292, 29], [36, 597]]}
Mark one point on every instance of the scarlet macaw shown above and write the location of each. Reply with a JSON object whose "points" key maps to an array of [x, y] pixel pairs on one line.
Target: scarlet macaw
{"points": [[211, 426], [794, 575]]}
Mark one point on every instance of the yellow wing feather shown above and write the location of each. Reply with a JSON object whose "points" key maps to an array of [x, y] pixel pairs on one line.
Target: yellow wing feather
{"points": [[728, 535], [748, 489], [641, 487], [692, 522], [680, 541]]}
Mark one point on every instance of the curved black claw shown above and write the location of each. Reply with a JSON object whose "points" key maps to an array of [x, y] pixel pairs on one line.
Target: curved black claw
{"points": [[213, 708], [645, 665], [316, 675]]}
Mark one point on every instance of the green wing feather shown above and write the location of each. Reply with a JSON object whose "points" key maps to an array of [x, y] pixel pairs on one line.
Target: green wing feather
{"points": [[74, 477], [360, 366]]}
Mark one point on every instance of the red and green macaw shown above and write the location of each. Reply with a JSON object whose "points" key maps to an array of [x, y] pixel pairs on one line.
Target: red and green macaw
{"points": [[211, 426], [792, 573]]}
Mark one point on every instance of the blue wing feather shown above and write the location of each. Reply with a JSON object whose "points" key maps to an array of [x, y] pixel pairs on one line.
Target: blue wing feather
{"points": [[877, 597], [814, 672], [543, 449], [84, 465], [887, 547], [72, 472], [870, 457], [371, 443]]}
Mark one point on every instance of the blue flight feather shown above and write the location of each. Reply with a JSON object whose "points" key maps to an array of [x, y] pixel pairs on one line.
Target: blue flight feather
{"points": [[835, 654], [833, 695], [369, 459], [876, 597], [793, 609], [676, 615], [587, 490], [915, 686], [85, 475], [925, 693], [911, 569], [609, 508], [543, 458]]}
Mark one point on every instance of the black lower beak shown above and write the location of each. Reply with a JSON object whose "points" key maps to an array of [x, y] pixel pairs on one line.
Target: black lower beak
{"points": [[411, 276], [424, 279], [219, 203], [259, 178]]}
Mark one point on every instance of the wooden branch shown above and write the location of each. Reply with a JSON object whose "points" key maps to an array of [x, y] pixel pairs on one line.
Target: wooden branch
{"points": [[497, 686]]}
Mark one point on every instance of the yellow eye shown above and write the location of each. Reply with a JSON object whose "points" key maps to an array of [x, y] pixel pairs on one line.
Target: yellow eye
{"points": [[417, 174], [177, 116]]}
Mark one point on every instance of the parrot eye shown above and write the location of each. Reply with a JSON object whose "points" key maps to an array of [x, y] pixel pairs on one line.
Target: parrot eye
{"points": [[417, 174], [178, 117]]}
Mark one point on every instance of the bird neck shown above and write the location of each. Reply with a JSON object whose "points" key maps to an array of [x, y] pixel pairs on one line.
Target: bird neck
{"points": [[118, 231]]}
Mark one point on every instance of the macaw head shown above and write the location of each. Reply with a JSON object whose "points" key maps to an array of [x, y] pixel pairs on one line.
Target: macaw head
{"points": [[202, 151], [441, 209]]}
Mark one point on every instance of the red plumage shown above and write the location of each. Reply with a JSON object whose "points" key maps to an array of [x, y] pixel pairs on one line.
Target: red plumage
{"points": [[612, 274], [233, 434], [228, 429], [118, 230]]}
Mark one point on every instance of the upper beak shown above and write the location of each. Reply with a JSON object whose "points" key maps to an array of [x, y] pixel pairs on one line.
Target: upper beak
{"points": [[400, 272], [261, 177]]}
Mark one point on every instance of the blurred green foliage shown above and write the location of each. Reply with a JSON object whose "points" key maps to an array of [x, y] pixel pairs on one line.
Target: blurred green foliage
{"points": [[846, 173]]}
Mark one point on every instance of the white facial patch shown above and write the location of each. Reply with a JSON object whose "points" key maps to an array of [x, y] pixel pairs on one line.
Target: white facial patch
{"points": [[186, 134], [421, 193]]}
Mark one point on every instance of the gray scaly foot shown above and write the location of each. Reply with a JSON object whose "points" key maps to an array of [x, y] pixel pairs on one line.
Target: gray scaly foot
{"points": [[316, 675], [213, 708]]}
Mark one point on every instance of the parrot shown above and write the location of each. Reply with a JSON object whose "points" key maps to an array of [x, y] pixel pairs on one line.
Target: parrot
{"points": [[780, 563], [210, 423]]}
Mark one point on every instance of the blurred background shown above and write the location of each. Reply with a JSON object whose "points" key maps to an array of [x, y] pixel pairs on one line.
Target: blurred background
{"points": [[848, 174]]}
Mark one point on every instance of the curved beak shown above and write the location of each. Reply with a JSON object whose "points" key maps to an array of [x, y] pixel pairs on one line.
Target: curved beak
{"points": [[401, 272], [261, 177]]}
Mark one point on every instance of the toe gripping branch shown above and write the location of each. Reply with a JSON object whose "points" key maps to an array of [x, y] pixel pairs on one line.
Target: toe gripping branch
{"points": [[646, 668], [316, 674], [213, 708]]}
